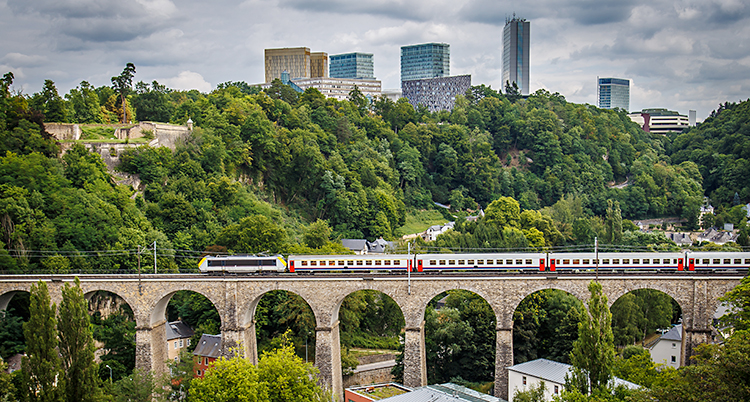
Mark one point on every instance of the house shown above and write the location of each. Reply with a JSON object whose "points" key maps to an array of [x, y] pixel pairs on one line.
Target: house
{"points": [[448, 392], [681, 239], [668, 349], [206, 352], [178, 338], [525, 376], [362, 246], [716, 236], [434, 231]]}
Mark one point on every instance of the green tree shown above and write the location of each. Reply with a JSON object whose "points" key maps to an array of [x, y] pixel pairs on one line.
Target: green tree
{"points": [[137, 387], [593, 352], [254, 234], [122, 84], [738, 301], [502, 212], [533, 394], [117, 333], [41, 366], [77, 346], [288, 377], [317, 234], [613, 222]]}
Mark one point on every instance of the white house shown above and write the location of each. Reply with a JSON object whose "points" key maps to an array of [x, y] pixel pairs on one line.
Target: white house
{"points": [[434, 231], [525, 376], [668, 349]]}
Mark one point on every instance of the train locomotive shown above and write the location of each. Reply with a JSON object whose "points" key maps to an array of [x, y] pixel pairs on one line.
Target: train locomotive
{"points": [[687, 261]]}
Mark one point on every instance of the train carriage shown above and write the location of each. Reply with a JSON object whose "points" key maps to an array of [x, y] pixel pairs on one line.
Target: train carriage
{"points": [[241, 264], [350, 263], [717, 260], [618, 261], [480, 262]]}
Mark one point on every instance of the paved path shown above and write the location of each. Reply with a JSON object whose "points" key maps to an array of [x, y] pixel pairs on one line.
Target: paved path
{"points": [[375, 366]]}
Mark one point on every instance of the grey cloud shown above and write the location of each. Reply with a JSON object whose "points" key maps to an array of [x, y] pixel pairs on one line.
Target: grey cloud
{"points": [[99, 20], [715, 71], [396, 9], [585, 12]]}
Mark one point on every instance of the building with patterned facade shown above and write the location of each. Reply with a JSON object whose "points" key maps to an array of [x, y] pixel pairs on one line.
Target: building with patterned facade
{"points": [[613, 93], [337, 88], [427, 60], [298, 61], [660, 121], [435, 93], [516, 37], [352, 65]]}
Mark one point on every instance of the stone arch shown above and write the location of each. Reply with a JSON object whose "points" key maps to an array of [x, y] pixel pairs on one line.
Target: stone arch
{"points": [[486, 293], [579, 290], [6, 297], [681, 294], [628, 321]]}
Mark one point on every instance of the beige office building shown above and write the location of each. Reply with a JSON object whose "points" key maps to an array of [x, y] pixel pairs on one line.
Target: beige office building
{"points": [[298, 61]]}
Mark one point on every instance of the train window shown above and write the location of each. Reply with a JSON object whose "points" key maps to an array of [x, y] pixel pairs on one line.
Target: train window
{"points": [[378, 262], [387, 262], [615, 261], [645, 260], [528, 262], [706, 260], [586, 261], [674, 261], [596, 261], [747, 260], [727, 261], [717, 261], [432, 262], [303, 263], [470, 262], [442, 262], [359, 262], [461, 262], [480, 262], [576, 262], [519, 262], [636, 261], [350, 263], [396, 262], [566, 262], [451, 262], [738, 261], [626, 260], [605, 261], [499, 262], [313, 263], [368, 262], [342, 262]]}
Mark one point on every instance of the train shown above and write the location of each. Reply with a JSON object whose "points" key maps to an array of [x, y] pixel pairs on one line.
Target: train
{"points": [[683, 261]]}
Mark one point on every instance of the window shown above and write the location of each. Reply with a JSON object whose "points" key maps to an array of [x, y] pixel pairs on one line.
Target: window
{"points": [[303, 263], [586, 261], [442, 262], [368, 262], [738, 261], [727, 261], [470, 262], [636, 261], [342, 262], [605, 261], [481, 262], [519, 262], [566, 262], [359, 262], [387, 262], [432, 262], [576, 262], [626, 260], [524, 380], [378, 262], [645, 261], [615, 261], [313, 263], [557, 390], [188, 342], [528, 262], [182, 343], [176, 358], [460, 262], [198, 372], [674, 346], [175, 344], [674, 359], [451, 262], [717, 261]]}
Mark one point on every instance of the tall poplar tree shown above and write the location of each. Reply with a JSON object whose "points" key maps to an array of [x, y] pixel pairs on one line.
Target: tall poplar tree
{"points": [[77, 346], [594, 351], [41, 365]]}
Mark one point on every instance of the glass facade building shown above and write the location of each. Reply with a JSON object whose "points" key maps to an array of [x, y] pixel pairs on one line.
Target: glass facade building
{"points": [[352, 65], [516, 37], [428, 60], [297, 61], [613, 93]]}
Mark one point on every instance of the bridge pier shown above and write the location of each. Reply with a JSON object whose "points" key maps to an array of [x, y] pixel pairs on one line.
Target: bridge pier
{"points": [[240, 341], [150, 348], [690, 339], [328, 359], [503, 359], [415, 357]]}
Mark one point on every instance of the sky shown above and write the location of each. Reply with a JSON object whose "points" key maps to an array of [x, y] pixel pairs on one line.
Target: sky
{"points": [[680, 55]]}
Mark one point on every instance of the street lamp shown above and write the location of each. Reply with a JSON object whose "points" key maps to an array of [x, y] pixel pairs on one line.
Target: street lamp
{"points": [[110, 372]]}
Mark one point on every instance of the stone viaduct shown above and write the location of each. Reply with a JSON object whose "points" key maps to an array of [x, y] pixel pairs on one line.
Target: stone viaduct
{"points": [[236, 299]]}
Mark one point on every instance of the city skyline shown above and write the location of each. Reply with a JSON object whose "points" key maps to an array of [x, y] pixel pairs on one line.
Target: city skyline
{"points": [[678, 55]]}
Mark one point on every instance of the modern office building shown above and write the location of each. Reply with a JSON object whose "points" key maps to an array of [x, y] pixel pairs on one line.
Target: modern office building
{"points": [[352, 65], [435, 93], [336, 88], [428, 60], [298, 61], [660, 121], [613, 93], [516, 38]]}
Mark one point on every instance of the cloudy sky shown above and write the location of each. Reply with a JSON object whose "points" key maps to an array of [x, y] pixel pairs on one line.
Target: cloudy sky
{"points": [[682, 55]]}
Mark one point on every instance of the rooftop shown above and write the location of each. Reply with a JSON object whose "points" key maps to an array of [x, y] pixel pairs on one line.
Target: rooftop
{"points": [[208, 346], [555, 372], [178, 330]]}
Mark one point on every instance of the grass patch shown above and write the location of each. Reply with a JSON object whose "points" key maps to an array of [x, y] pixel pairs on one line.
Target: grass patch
{"points": [[419, 221], [94, 133], [384, 392]]}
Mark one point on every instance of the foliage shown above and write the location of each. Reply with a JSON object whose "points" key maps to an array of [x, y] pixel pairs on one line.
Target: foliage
{"points": [[77, 346], [641, 312], [635, 365], [117, 333], [593, 352], [545, 325], [533, 394], [41, 367], [738, 301], [137, 387], [279, 312]]}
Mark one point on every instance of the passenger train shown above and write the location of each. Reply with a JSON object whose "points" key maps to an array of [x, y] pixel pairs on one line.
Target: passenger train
{"points": [[436, 263]]}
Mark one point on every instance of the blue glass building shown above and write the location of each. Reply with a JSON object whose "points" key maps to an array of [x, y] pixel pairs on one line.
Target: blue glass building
{"points": [[428, 60], [351, 65], [516, 37], [612, 93]]}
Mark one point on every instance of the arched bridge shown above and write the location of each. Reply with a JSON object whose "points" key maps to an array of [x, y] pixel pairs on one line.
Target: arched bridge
{"points": [[236, 299]]}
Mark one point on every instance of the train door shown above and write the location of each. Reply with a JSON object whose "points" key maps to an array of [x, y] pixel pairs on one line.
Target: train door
{"points": [[419, 266]]}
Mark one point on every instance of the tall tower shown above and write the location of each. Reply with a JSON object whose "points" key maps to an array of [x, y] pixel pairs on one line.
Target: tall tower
{"points": [[516, 36], [613, 93], [352, 65], [297, 61], [428, 60]]}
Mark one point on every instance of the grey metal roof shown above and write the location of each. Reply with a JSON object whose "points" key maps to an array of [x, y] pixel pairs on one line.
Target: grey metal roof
{"points": [[208, 346], [674, 334], [177, 330], [354, 244], [439, 393], [555, 372]]}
